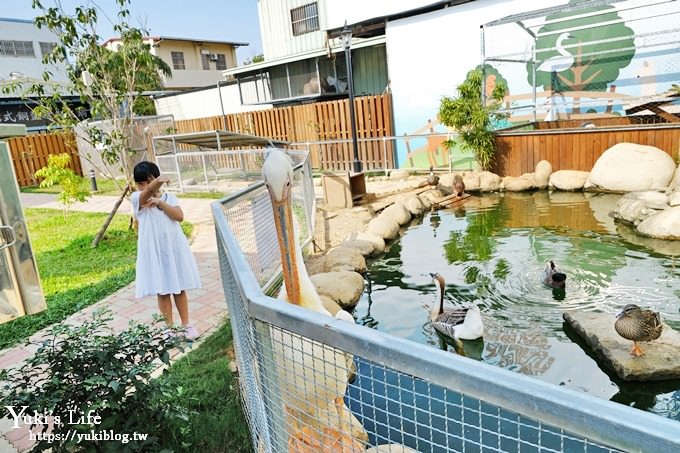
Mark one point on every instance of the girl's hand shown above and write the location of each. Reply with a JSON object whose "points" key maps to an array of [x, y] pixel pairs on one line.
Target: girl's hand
{"points": [[163, 179], [152, 202]]}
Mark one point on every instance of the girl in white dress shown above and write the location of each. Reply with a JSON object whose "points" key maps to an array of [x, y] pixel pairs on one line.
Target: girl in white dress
{"points": [[165, 265]]}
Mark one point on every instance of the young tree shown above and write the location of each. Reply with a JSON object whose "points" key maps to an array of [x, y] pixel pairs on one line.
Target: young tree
{"points": [[109, 84]]}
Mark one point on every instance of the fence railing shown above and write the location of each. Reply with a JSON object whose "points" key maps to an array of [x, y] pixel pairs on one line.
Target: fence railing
{"points": [[404, 392], [30, 154]]}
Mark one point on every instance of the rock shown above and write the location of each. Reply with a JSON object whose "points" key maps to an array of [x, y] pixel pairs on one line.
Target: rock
{"points": [[345, 259], [650, 198], [542, 174], [488, 182], [446, 182], [659, 362], [413, 204], [398, 213], [329, 304], [431, 195], [344, 287], [472, 181], [568, 179], [674, 199], [377, 241], [630, 167], [427, 204], [364, 247], [519, 183], [399, 175], [632, 210], [662, 225], [315, 264], [629, 234], [383, 227]]}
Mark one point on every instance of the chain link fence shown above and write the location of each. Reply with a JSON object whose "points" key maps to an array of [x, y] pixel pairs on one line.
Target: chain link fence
{"points": [[301, 393]]}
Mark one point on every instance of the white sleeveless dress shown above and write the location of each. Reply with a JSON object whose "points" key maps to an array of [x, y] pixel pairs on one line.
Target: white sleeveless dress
{"points": [[165, 264]]}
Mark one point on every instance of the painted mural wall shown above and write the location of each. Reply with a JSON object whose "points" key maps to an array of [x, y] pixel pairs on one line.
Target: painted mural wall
{"points": [[589, 63]]}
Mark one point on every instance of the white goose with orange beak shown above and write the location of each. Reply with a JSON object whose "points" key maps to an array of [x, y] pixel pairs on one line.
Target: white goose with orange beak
{"points": [[313, 375]]}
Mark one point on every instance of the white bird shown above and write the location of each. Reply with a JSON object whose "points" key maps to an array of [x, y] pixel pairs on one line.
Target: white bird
{"points": [[561, 62], [456, 323], [312, 375]]}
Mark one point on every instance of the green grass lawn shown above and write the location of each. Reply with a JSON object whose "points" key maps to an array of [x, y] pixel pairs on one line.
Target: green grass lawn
{"points": [[211, 390], [72, 273], [106, 186]]}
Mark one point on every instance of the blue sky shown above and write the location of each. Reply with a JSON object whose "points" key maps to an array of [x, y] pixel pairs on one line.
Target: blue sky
{"points": [[222, 20]]}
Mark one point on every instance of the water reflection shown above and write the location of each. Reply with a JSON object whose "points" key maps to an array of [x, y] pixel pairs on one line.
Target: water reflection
{"points": [[493, 252]]}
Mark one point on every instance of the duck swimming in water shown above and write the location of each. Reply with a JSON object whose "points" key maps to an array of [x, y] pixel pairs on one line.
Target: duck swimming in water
{"points": [[552, 276], [636, 324], [456, 323]]}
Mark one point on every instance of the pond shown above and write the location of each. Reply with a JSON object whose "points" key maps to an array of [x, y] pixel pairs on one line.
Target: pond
{"points": [[492, 252]]}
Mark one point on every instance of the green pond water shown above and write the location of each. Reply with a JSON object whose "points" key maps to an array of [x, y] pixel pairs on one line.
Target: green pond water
{"points": [[492, 252]]}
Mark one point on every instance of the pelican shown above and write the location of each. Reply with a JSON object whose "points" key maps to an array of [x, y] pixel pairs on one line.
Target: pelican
{"points": [[552, 276], [457, 323], [561, 62], [312, 375]]}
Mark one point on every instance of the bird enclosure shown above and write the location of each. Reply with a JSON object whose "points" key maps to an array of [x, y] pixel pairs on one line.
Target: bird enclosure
{"points": [[403, 392], [586, 60]]}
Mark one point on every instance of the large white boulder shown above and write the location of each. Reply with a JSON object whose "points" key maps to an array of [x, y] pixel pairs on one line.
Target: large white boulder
{"points": [[488, 182], [345, 259], [542, 174], [413, 204], [519, 183], [568, 179], [472, 181], [375, 240], [662, 225], [384, 227], [630, 167], [344, 287], [398, 213], [632, 210]]}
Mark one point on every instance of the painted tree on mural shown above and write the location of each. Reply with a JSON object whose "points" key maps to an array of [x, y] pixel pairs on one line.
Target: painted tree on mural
{"points": [[582, 53]]}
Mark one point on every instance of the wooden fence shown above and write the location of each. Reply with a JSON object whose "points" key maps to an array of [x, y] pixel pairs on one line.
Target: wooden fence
{"points": [[326, 121], [30, 154], [576, 149]]}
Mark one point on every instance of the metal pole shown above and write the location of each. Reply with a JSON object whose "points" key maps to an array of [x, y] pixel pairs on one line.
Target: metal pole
{"points": [[481, 43], [533, 77], [356, 165], [224, 118]]}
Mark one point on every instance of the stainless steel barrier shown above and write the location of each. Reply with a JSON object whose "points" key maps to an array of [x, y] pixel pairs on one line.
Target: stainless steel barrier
{"points": [[404, 392]]}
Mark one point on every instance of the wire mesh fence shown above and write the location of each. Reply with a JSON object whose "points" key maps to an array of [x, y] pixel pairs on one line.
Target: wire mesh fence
{"points": [[311, 383]]}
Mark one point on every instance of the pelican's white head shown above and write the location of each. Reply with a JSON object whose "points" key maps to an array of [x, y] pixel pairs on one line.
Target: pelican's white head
{"points": [[277, 172]]}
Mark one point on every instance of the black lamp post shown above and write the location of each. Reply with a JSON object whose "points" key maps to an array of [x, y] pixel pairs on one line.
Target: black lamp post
{"points": [[346, 36]]}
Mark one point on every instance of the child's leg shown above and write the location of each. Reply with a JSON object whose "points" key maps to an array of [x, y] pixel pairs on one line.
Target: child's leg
{"points": [[165, 307], [182, 304]]}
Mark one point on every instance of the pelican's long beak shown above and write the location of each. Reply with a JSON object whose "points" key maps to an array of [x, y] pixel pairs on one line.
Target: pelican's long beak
{"points": [[283, 219]]}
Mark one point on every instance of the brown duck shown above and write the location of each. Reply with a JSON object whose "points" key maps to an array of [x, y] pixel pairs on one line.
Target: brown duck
{"points": [[458, 185], [636, 324], [432, 179]]}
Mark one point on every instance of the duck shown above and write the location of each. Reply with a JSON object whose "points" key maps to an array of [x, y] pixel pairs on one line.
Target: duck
{"points": [[457, 323], [552, 276], [458, 185], [636, 324], [432, 179]]}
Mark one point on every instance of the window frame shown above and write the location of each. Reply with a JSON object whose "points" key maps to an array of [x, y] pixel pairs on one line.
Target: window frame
{"points": [[221, 62], [12, 48], [178, 61], [305, 19], [44, 48]]}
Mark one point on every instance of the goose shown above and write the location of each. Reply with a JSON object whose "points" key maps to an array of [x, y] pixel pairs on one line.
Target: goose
{"points": [[432, 179], [552, 276], [458, 185], [457, 323], [636, 324], [312, 375]]}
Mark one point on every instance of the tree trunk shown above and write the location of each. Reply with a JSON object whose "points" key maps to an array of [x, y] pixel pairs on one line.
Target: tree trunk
{"points": [[100, 235]]}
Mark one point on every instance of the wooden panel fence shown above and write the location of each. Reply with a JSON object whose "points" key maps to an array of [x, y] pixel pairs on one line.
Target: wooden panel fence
{"points": [[576, 149], [30, 154], [315, 122]]}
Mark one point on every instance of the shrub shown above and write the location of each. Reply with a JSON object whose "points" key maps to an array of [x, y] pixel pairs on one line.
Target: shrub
{"points": [[87, 370], [57, 172], [472, 119]]}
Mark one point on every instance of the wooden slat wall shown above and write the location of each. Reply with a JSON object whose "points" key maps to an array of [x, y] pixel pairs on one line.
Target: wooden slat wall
{"points": [[30, 154], [518, 153], [320, 121]]}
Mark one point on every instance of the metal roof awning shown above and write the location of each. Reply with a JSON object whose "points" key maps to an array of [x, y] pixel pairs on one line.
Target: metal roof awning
{"points": [[219, 140]]}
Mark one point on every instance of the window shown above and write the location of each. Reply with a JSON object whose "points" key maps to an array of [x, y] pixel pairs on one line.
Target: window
{"points": [[221, 63], [46, 48], [178, 60], [17, 48], [205, 60], [305, 19]]}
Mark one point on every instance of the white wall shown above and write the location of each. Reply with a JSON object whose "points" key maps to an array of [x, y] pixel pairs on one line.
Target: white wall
{"points": [[354, 11], [276, 29], [204, 103]]}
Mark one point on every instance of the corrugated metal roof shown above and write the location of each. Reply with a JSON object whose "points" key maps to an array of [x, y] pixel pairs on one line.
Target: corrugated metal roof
{"points": [[218, 139]]}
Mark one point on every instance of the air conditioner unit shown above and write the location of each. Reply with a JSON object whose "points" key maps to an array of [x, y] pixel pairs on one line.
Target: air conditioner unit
{"points": [[213, 57]]}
